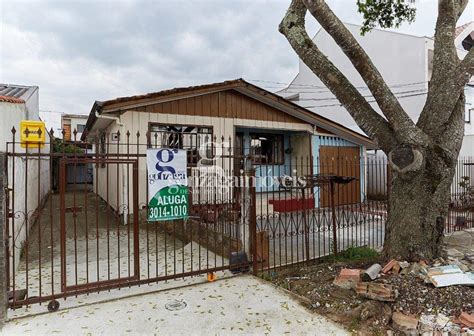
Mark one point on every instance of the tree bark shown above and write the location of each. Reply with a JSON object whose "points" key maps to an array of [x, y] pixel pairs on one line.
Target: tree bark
{"points": [[423, 156], [413, 230]]}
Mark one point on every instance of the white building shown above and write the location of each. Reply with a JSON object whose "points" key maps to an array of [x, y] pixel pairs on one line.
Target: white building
{"points": [[19, 103], [405, 62], [71, 123]]}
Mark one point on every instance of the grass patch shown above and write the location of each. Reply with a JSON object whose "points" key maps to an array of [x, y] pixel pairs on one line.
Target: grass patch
{"points": [[361, 253]]}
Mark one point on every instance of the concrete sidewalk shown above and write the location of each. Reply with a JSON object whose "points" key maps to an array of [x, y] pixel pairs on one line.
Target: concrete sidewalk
{"points": [[236, 305]]}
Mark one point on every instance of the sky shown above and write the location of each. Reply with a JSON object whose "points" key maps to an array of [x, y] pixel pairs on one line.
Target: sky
{"points": [[81, 51]]}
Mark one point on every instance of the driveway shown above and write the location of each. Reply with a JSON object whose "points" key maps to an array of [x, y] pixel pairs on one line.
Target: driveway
{"points": [[236, 305]]}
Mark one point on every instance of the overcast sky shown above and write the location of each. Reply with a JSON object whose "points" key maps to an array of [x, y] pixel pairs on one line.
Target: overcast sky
{"points": [[81, 51]]}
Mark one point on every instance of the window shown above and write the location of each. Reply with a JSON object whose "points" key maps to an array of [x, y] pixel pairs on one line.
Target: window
{"points": [[467, 115], [266, 148], [80, 128], [188, 137]]}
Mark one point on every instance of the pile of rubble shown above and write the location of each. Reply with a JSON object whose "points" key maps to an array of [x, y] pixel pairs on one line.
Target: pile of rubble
{"points": [[383, 284]]}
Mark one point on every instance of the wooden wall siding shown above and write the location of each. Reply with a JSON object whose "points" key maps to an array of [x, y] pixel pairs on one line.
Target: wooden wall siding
{"points": [[226, 104]]}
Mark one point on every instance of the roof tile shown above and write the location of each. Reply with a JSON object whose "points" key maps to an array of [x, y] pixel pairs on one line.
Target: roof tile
{"points": [[13, 100]]}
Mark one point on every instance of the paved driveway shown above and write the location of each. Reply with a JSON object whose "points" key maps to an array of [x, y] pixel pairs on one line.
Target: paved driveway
{"points": [[235, 305]]}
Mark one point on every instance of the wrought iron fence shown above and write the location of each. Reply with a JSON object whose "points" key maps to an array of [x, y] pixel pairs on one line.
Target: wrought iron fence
{"points": [[91, 233]]}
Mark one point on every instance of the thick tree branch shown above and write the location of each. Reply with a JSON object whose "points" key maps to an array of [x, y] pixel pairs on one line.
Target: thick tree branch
{"points": [[374, 125], [451, 139], [442, 83], [461, 6], [446, 96], [399, 120], [466, 67]]}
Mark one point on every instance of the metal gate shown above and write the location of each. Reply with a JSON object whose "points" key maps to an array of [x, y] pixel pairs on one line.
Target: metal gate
{"points": [[68, 237]]}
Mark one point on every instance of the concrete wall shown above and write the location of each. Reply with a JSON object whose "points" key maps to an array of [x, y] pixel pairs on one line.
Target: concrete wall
{"points": [[28, 179], [10, 116], [467, 149]]}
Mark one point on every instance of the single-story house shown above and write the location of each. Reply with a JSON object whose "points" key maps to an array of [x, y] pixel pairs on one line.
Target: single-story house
{"points": [[281, 137]]}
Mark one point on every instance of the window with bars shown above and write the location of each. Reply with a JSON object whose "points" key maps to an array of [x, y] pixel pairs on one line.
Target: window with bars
{"points": [[194, 139], [266, 148]]}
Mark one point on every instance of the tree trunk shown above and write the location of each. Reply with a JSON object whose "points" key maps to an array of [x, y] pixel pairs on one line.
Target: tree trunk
{"points": [[418, 208]]}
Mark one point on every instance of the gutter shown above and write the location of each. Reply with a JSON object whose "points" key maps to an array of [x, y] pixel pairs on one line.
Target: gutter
{"points": [[117, 119], [94, 115]]}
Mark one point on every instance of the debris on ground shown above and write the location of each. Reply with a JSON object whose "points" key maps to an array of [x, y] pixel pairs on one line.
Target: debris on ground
{"points": [[405, 323], [347, 278], [376, 291], [372, 272], [467, 319], [433, 297], [450, 275]]}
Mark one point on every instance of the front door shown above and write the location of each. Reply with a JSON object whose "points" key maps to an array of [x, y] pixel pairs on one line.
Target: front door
{"points": [[343, 161]]}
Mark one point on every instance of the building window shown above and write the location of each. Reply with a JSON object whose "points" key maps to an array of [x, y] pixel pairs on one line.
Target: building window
{"points": [[191, 138], [467, 115], [80, 128], [266, 148]]}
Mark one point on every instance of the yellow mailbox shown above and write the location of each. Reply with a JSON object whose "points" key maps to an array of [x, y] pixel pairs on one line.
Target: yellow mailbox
{"points": [[32, 134]]}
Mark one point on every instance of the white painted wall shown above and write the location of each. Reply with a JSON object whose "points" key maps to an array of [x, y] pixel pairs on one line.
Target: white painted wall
{"points": [[74, 122], [30, 177], [403, 61], [467, 149]]}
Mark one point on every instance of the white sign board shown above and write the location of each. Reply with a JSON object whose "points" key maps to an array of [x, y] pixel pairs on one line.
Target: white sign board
{"points": [[167, 184]]}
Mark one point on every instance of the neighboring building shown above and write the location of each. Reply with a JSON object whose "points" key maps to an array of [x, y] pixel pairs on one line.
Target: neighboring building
{"points": [[81, 173], [405, 62], [71, 123], [17, 103], [274, 131]]}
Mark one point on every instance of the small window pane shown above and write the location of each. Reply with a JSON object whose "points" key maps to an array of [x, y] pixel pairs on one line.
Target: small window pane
{"points": [[267, 148]]}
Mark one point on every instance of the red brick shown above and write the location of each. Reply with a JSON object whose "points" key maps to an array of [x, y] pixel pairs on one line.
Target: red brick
{"points": [[347, 278], [467, 319], [388, 267]]}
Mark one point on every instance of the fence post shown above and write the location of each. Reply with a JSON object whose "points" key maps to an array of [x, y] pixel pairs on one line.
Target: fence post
{"points": [[249, 216], [3, 223], [253, 219]]}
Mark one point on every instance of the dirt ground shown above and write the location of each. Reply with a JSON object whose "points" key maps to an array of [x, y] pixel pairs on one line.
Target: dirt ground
{"points": [[364, 316]]}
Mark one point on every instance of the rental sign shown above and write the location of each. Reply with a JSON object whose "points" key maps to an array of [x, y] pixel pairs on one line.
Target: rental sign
{"points": [[167, 184]]}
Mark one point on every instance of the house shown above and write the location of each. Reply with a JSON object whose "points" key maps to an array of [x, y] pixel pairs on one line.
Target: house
{"points": [[407, 74], [17, 103], [233, 119], [71, 123], [73, 126]]}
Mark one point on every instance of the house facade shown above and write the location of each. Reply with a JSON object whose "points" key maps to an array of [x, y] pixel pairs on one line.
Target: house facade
{"points": [[71, 123], [237, 121], [405, 62]]}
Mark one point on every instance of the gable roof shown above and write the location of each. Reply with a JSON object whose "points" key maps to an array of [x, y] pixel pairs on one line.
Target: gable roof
{"points": [[123, 104]]}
